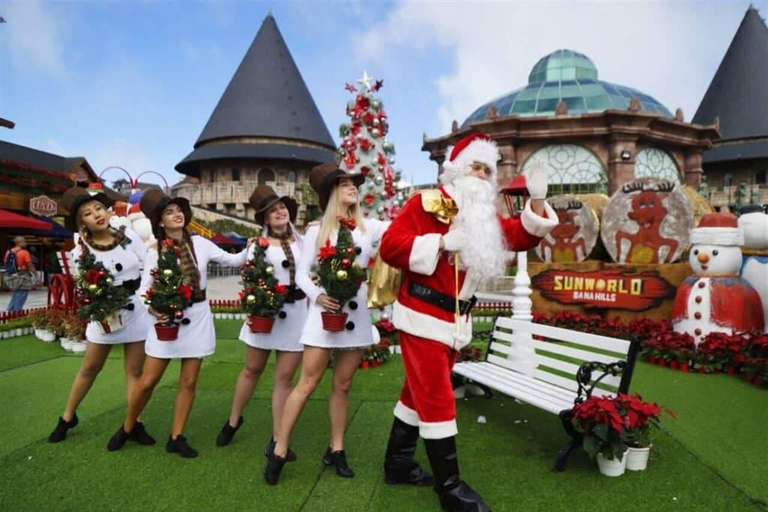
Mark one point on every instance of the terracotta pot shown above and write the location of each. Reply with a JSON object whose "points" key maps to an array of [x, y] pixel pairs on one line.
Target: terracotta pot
{"points": [[261, 324], [661, 362], [167, 332], [334, 322], [685, 368], [673, 365], [700, 370], [651, 359]]}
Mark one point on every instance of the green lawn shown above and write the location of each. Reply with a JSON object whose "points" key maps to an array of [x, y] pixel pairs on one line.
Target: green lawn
{"points": [[714, 457]]}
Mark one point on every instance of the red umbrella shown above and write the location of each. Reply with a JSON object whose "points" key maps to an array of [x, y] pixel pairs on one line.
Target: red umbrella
{"points": [[14, 220]]}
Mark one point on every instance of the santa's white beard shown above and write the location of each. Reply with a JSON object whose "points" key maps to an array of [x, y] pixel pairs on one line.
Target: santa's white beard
{"points": [[484, 255]]}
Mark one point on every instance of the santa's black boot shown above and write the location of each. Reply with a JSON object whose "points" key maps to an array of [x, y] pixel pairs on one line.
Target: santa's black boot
{"points": [[454, 494], [399, 466]]}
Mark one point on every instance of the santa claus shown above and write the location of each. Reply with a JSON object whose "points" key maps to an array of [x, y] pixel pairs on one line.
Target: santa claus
{"points": [[715, 298], [438, 230]]}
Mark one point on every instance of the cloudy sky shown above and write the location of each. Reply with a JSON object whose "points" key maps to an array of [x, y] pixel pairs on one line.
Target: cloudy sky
{"points": [[132, 83]]}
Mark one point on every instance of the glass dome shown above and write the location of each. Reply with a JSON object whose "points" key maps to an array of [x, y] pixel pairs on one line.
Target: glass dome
{"points": [[572, 77]]}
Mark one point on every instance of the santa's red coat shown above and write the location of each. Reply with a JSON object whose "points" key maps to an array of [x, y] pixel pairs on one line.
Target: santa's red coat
{"points": [[734, 303], [412, 244]]}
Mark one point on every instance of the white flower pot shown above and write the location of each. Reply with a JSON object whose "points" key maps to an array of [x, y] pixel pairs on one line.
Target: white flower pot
{"points": [[611, 467], [45, 335], [637, 458], [78, 347], [3, 335], [66, 343]]}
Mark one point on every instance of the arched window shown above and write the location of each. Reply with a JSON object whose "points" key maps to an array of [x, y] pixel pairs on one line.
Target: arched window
{"points": [[572, 169], [292, 176], [266, 176], [656, 163], [760, 177], [235, 174]]}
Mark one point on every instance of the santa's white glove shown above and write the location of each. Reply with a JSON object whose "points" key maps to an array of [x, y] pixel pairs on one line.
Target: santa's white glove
{"points": [[536, 180], [455, 240]]}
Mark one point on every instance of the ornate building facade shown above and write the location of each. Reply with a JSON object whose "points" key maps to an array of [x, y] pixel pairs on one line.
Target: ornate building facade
{"points": [[593, 135]]}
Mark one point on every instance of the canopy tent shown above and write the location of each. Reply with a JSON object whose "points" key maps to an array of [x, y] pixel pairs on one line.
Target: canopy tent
{"points": [[227, 241], [54, 230], [14, 221]]}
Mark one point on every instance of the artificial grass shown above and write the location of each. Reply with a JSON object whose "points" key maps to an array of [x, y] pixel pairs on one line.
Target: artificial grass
{"points": [[715, 451]]}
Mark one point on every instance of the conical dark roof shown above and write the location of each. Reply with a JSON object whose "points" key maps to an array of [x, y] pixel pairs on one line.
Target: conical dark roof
{"points": [[266, 98], [738, 94]]}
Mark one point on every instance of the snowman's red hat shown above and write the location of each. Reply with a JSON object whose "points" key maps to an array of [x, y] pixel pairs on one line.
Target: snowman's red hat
{"points": [[477, 147], [718, 229]]}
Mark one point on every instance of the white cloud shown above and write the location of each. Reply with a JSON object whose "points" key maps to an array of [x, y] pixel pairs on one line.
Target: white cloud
{"points": [[668, 50], [35, 36]]}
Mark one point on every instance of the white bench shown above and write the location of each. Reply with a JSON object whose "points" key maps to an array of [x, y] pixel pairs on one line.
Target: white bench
{"points": [[552, 368]]}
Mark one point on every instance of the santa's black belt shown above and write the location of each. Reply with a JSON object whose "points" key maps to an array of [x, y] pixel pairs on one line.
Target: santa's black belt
{"points": [[132, 286], [441, 300]]}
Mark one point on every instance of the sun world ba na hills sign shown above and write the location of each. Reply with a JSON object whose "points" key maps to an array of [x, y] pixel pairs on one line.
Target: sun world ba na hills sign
{"points": [[608, 289]]}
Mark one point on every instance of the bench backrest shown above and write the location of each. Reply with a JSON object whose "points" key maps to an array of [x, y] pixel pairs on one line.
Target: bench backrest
{"points": [[559, 353]]}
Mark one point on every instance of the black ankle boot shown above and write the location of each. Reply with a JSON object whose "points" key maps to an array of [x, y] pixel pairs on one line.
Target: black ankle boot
{"points": [[290, 456], [118, 440], [180, 446], [273, 468], [141, 436], [228, 432], [338, 459], [454, 494], [60, 432], [399, 466]]}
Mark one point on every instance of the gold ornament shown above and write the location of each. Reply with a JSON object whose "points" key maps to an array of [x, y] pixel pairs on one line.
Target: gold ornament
{"points": [[341, 275], [269, 270], [167, 272], [92, 287], [251, 299]]}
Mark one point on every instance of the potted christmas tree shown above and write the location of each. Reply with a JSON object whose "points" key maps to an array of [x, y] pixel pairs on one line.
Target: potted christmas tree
{"points": [[262, 296], [169, 295], [100, 301], [339, 274]]}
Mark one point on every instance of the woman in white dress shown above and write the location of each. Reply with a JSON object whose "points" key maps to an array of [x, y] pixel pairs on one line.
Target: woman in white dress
{"points": [[197, 337], [338, 195], [276, 215], [122, 253]]}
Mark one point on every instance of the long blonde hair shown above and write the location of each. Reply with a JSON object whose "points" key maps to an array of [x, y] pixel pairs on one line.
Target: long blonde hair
{"points": [[329, 223]]}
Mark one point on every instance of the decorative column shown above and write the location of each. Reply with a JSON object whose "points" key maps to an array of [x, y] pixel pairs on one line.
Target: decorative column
{"points": [[693, 169], [621, 169], [523, 357]]}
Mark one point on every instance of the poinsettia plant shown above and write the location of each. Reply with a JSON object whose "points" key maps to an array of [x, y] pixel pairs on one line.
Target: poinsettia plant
{"points": [[169, 294], [721, 352], [600, 422], [639, 418], [96, 293], [336, 269], [262, 295]]}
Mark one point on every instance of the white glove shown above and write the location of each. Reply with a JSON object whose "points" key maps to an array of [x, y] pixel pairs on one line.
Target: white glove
{"points": [[536, 180], [455, 240]]}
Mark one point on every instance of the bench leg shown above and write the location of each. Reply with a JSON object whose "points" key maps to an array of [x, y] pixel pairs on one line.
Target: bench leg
{"points": [[562, 455]]}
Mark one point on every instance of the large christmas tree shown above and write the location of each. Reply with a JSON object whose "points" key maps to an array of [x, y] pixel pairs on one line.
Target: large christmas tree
{"points": [[366, 150]]}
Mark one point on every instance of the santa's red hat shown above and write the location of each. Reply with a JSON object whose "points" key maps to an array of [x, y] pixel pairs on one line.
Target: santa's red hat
{"points": [[477, 147], [718, 229]]}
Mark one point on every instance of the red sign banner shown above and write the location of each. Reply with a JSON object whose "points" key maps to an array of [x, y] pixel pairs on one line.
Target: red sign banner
{"points": [[43, 205], [605, 289]]}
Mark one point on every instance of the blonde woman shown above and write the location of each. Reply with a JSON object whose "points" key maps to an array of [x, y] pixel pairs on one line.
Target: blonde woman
{"points": [[122, 252], [277, 215], [339, 200]]}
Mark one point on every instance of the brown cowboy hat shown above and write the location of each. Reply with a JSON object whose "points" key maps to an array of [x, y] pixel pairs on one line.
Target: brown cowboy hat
{"points": [[74, 198], [154, 201], [323, 178], [264, 198]]}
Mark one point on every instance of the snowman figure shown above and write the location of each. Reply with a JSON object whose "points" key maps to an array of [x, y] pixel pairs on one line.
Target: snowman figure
{"points": [[753, 222], [715, 298]]}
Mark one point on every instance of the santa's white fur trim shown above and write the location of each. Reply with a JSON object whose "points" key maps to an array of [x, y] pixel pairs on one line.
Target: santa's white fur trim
{"points": [[479, 150], [536, 224], [406, 414], [431, 328], [717, 236], [425, 253], [438, 430]]}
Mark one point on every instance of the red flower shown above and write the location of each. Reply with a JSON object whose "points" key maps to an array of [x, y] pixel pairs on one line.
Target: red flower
{"points": [[326, 251], [92, 276], [281, 289], [263, 242], [167, 243], [186, 291]]}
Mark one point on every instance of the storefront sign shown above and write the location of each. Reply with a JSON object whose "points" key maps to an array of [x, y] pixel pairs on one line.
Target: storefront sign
{"points": [[43, 205], [605, 289]]}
